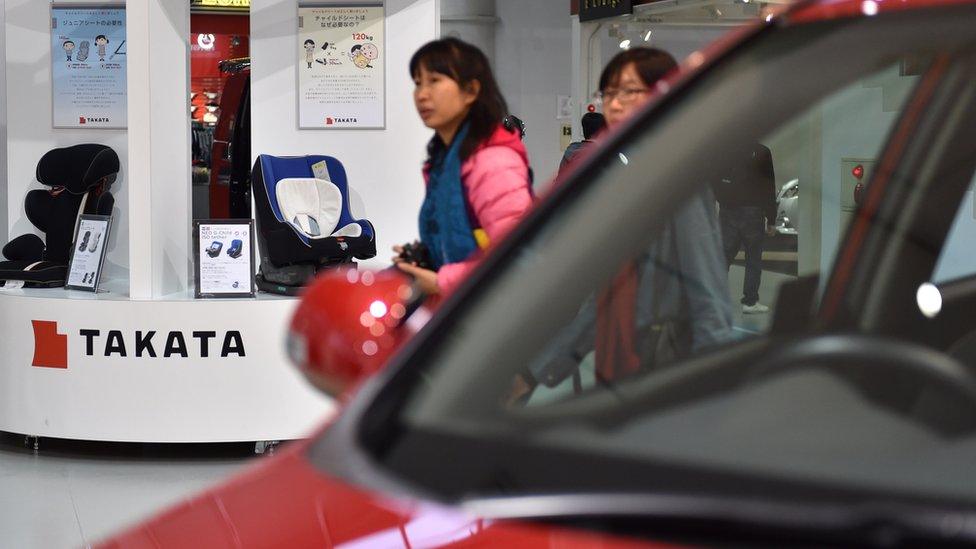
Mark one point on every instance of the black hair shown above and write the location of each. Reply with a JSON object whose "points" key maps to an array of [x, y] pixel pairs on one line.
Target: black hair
{"points": [[101, 36], [309, 41], [592, 123], [465, 64], [66, 42], [356, 47], [651, 65]]}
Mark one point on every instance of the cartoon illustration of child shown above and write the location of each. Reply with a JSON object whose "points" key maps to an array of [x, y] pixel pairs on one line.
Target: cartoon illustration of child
{"points": [[68, 46], [101, 40], [309, 51], [358, 58], [371, 52]]}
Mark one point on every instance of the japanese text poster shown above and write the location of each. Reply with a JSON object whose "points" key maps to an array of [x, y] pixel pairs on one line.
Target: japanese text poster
{"points": [[341, 66], [88, 68]]}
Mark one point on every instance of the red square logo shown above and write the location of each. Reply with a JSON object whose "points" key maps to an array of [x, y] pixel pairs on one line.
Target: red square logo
{"points": [[50, 347]]}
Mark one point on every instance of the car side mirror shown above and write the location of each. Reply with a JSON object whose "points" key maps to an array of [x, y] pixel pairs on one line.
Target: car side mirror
{"points": [[348, 324]]}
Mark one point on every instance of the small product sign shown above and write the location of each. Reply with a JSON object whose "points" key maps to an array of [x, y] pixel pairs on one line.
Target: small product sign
{"points": [[88, 252], [341, 60], [88, 67], [224, 254]]}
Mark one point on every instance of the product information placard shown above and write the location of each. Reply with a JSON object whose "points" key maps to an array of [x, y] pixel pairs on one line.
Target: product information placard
{"points": [[88, 252], [341, 66], [224, 253], [88, 67]]}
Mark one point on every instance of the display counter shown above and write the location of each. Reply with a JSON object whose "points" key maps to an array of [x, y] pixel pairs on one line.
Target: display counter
{"points": [[103, 367]]}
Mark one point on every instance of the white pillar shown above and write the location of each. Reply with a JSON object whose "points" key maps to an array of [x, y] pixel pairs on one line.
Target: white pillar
{"points": [[159, 147], [473, 21]]}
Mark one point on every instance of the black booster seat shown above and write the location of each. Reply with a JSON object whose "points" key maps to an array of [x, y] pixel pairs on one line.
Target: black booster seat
{"points": [[303, 221], [79, 178]]}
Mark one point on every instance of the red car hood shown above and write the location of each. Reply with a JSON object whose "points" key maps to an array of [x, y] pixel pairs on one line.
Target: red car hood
{"points": [[285, 502]]}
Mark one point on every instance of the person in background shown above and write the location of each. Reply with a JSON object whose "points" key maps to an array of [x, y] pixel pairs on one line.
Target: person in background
{"points": [[593, 123], [665, 303], [747, 210], [477, 171]]}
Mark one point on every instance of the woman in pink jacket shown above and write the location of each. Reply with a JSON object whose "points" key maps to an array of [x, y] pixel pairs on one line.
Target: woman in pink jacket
{"points": [[477, 172]]}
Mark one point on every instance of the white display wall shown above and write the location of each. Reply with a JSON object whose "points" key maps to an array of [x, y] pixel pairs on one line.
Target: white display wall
{"points": [[383, 166]]}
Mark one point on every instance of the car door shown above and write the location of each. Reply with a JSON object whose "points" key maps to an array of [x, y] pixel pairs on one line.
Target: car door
{"points": [[604, 348]]}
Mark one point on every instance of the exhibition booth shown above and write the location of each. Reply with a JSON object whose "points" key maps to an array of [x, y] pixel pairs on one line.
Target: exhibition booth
{"points": [[128, 317], [163, 314]]}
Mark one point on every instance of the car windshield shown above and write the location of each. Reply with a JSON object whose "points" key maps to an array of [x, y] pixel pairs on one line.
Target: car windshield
{"points": [[622, 330]]}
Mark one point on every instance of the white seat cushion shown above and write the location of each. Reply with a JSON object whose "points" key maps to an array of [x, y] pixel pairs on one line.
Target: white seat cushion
{"points": [[313, 206]]}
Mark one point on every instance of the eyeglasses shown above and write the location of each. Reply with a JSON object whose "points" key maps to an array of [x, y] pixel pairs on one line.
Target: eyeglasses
{"points": [[625, 95]]}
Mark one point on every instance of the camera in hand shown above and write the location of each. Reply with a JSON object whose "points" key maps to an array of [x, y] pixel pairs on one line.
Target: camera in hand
{"points": [[418, 254]]}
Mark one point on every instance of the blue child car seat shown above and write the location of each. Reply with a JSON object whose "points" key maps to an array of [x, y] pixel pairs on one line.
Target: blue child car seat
{"points": [[236, 248], [303, 220]]}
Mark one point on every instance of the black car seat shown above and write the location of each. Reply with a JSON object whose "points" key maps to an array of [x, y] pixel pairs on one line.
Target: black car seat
{"points": [[79, 178], [303, 220], [214, 249]]}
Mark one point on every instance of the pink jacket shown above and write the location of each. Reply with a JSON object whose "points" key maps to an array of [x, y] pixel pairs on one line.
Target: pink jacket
{"points": [[496, 180]]}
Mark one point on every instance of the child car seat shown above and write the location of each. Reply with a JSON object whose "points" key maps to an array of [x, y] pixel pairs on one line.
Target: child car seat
{"points": [[214, 249], [84, 241], [94, 245], [235, 248], [303, 221], [79, 178]]}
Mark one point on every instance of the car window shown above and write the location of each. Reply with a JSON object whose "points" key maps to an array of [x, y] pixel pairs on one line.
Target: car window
{"points": [[958, 258], [619, 305]]}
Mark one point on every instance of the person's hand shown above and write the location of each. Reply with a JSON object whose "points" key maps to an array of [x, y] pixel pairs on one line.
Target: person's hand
{"points": [[398, 250], [426, 279], [770, 230]]}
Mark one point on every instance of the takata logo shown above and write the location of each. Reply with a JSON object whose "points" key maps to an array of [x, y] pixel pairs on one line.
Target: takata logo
{"points": [[329, 121], [91, 119], [50, 347]]}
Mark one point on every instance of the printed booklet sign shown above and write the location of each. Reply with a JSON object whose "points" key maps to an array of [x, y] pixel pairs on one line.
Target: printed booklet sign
{"points": [[88, 67], [224, 257], [341, 60], [88, 252]]}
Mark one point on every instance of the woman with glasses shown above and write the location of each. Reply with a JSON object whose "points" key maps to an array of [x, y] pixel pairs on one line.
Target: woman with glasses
{"points": [[662, 305]]}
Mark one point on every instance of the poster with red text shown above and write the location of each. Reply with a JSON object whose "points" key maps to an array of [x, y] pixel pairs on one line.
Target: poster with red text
{"points": [[341, 61]]}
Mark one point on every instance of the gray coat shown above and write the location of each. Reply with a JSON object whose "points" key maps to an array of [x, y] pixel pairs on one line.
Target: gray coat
{"points": [[682, 277]]}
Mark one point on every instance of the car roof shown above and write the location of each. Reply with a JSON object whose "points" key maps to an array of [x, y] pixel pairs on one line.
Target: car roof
{"points": [[825, 10]]}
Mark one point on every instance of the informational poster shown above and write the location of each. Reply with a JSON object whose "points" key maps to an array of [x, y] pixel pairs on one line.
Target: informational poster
{"points": [[88, 67], [341, 66], [88, 252], [224, 253]]}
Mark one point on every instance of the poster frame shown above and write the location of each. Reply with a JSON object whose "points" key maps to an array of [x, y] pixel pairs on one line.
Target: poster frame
{"points": [[298, 87], [84, 6], [249, 291], [107, 233]]}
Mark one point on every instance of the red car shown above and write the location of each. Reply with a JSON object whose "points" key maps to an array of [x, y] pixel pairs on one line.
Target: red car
{"points": [[847, 416]]}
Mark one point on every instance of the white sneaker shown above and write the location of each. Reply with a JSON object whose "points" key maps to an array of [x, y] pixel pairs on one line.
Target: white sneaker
{"points": [[755, 308]]}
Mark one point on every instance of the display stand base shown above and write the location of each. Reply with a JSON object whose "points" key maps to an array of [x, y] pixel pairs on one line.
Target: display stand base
{"points": [[102, 367]]}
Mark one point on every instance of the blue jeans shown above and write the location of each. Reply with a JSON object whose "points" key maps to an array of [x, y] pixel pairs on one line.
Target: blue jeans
{"points": [[745, 227]]}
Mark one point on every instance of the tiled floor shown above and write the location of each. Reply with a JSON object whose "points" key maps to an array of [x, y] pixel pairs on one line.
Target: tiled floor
{"points": [[66, 496]]}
